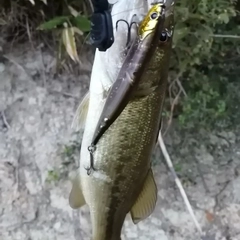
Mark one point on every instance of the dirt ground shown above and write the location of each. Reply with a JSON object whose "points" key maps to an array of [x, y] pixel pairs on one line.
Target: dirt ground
{"points": [[38, 149]]}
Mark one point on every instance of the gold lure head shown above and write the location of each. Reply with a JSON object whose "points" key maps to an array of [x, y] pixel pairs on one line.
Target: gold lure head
{"points": [[149, 23]]}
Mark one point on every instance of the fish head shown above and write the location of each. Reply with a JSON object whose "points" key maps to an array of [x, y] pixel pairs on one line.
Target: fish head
{"points": [[159, 22], [161, 38], [164, 37], [156, 29]]}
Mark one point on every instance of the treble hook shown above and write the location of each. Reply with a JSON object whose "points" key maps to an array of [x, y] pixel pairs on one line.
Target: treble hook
{"points": [[91, 150], [129, 26]]}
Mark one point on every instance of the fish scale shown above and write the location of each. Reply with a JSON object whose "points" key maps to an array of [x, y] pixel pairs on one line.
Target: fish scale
{"points": [[125, 162]]}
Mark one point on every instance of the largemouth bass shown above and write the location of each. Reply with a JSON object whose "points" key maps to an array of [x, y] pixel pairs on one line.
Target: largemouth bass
{"points": [[124, 180]]}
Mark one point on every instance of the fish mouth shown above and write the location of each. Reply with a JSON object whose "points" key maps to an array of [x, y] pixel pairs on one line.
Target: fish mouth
{"points": [[169, 16]]}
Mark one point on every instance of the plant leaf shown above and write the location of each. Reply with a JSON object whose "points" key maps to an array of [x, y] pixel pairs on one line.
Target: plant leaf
{"points": [[73, 11], [53, 23], [82, 23], [70, 43], [77, 30]]}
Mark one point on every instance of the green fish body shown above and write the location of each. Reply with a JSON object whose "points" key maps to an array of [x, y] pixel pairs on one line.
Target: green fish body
{"points": [[123, 181]]}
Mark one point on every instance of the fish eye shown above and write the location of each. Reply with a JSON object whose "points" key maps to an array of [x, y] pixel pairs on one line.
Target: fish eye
{"points": [[154, 15], [163, 36]]}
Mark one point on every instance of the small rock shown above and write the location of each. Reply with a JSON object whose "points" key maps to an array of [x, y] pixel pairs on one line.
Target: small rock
{"points": [[33, 183], [237, 171], [57, 225], [214, 140], [230, 136], [212, 237], [2, 67], [236, 190], [59, 201], [203, 155]]}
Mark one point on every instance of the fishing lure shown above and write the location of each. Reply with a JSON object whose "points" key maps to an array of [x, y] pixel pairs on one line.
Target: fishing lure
{"points": [[150, 32], [129, 26]]}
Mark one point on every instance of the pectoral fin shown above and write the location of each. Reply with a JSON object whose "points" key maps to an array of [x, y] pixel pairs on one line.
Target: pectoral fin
{"points": [[76, 198], [146, 201], [81, 113]]}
